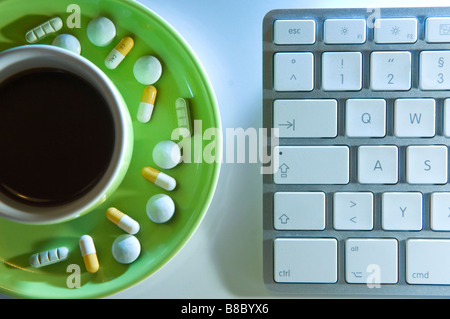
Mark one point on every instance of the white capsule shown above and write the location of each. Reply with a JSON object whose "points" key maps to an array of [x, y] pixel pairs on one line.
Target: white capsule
{"points": [[147, 70], [126, 249], [49, 257], [101, 31], [160, 208], [122, 220], [43, 30], [89, 253], [167, 154], [159, 178], [68, 42]]}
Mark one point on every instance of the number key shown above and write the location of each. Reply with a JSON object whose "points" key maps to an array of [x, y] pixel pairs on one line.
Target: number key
{"points": [[434, 70], [390, 71]]}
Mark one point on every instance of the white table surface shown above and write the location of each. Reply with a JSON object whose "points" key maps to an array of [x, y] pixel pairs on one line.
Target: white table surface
{"points": [[224, 257]]}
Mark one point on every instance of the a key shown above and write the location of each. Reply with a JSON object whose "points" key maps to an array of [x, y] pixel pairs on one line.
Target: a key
{"points": [[293, 71], [365, 118], [378, 164], [344, 31], [401, 211], [426, 164], [414, 117], [390, 71], [353, 211], [396, 30], [341, 71]]}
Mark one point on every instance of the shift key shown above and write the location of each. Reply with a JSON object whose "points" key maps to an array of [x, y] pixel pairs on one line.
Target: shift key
{"points": [[312, 165]]}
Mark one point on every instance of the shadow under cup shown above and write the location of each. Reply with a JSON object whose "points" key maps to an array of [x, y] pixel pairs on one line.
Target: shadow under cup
{"points": [[66, 135]]}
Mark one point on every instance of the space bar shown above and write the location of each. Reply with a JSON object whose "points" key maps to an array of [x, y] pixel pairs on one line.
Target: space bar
{"points": [[312, 165]]}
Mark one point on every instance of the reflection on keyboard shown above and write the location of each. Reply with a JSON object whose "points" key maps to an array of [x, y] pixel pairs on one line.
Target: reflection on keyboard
{"points": [[360, 200]]}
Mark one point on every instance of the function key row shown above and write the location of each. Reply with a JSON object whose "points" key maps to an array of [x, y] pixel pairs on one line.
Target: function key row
{"points": [[354, 31], [343, 71]]}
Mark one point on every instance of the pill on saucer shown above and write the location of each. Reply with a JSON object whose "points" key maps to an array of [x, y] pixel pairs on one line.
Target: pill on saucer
{"points": [[49, 257], [160, 208], [43, 30], [183, 114], [68, 42], [159, 178], [101, 31], [116, 56], [147, 104], [147, 70], [126, 249], [89, 253], [167, 154], [122, 220]]}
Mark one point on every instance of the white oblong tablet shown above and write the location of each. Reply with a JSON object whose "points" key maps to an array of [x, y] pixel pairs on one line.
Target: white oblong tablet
{"points": [[147, 70], [101, 31], [167, 154], [68, 42], [126, 249], [160, 208]]}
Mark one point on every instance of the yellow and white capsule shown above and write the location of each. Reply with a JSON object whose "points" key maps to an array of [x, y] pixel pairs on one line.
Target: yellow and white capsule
{"points": [[49, 257], [43, 30], [158, 178], [122, 220], [116, 56], [147, 104], [89, 253]]}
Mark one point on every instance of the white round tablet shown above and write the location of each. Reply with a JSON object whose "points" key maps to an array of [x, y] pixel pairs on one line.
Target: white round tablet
{"points": [[101, 31], [160, 208], [126, 249], [167, 154], [68, 42], [147, 70]]}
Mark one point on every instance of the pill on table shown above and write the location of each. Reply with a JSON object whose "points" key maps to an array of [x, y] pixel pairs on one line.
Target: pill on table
{"points": [[160, 208], [147, 104], [167, 154], [68, 42], [116, 56], [49, 257], [43, 30], [159, 178], [89, 253], [101, 31], [126, 249], [147, 70], [122, 220], [183, 114]]}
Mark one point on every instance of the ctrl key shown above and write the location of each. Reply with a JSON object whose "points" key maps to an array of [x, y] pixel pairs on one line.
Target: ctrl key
{"points": [[305, 260]]}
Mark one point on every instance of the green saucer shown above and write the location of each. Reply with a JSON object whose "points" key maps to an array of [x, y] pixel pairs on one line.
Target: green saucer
{"points": [[182, 76]]}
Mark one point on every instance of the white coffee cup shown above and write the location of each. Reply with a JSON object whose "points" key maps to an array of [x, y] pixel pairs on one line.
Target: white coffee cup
{"points": [[19, 59]]}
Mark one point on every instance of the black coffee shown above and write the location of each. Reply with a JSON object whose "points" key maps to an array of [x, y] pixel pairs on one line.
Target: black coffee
{"points": [[56, 137]]}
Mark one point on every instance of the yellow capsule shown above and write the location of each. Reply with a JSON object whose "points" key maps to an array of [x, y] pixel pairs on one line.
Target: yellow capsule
{"points": [[116, 56], [158, 178], [147, 104], [89, 253], [122, 220]]}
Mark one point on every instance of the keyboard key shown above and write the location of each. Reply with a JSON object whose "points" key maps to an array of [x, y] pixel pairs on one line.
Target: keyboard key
{"points": [[344, 31], [353, 211], [426, 164], [294, 71], [342, 71], [305, 260], [305, 118], [440, 211], [312, 165], [397, 30], [415, 117], [447, 117], [437, 29], [434, 70], [294, 31], [401, 211], [301, 211], [378, 164], [390, 71], [365, 118], [371, 261], [428, 261]]}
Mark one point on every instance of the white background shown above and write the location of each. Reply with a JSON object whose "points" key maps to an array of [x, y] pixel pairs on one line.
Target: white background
{"points": [[224, 257]]}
